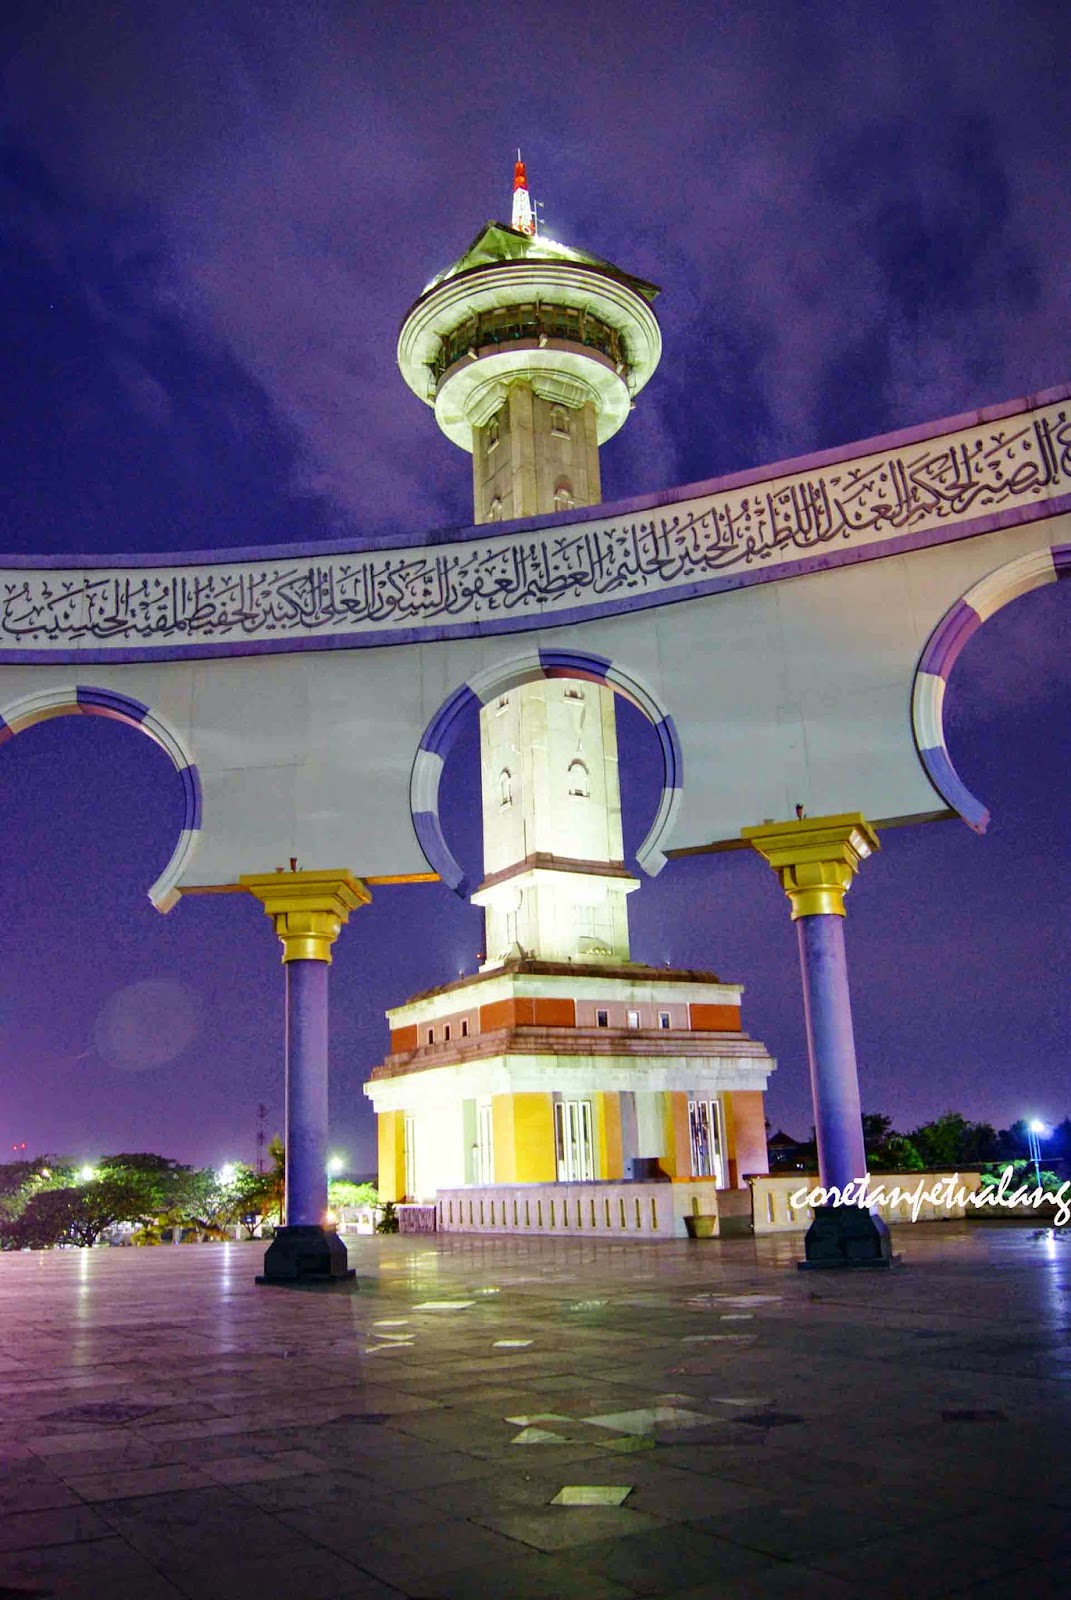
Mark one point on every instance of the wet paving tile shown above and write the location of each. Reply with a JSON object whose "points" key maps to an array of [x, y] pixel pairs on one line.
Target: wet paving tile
{"points": [[163, 1437]]}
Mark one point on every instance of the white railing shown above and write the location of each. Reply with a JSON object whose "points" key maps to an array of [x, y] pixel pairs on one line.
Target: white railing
{"points": [[772, 1210], [578, 1210]]}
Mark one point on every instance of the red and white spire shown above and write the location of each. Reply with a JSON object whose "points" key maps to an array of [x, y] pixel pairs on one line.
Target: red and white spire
{"points": [[523, 216]]}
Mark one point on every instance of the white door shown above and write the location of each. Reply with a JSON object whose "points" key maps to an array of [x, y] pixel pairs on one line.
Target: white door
{"points": [[485, 1145], [573, 1141], [409, 1131], [705, 1131]]}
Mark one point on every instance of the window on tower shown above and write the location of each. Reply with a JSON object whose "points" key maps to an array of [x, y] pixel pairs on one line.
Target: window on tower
{"points": [[579, 784], [559, 421], [563, 496], [494, 510], [505, 788], [492, 434]]}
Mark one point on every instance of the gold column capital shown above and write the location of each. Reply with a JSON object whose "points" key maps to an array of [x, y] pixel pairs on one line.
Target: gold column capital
{"points": [[308, 908], [816, 858]]}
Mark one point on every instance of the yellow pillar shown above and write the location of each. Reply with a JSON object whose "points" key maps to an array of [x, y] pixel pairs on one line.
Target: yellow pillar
{"points": [[390, 1180], [524, 1138], [678, 1156], [611, 1163]]}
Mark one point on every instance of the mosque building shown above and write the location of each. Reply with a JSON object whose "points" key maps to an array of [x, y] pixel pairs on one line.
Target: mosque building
{"points": [[562, 1062]]}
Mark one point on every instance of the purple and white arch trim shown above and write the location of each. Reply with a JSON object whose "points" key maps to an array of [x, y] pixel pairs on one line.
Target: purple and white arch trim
{"points": [[942, 651], [84, 700], [444, 726]]}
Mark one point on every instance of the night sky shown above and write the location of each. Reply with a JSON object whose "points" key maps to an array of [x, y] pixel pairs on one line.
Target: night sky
{"points": [[212, 220]]}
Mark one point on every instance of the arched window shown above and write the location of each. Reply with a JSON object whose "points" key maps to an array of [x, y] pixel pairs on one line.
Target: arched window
{"points": [[563, 495], [559, 421], [573, 691], [505, 788], [494, 512], [492, 434], [578, 780]]}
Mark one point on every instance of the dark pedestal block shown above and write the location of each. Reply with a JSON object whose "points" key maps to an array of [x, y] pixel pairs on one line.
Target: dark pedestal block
{"points": [[846, 1237], [307, 1258]]}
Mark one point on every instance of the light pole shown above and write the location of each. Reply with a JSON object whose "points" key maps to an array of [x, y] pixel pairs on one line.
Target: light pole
{"points": [[1034, 1130]]}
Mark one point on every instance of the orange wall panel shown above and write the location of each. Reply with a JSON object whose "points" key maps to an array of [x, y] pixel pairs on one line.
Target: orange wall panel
{"points": [[746, 1133], [715, 1019], [525, 1012], [403, 1039], [555, 1013], [499, 1014]]}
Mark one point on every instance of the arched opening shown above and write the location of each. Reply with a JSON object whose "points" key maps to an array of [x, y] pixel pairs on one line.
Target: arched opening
{"points": [[490, 687], [86, 700], [942, 651]]}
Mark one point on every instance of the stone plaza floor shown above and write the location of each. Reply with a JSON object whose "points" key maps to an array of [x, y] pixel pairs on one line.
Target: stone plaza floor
{"points": [[494, 1419]]}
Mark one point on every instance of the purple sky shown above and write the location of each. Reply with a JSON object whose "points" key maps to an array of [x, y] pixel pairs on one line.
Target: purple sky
{"points": [[213, 221]]}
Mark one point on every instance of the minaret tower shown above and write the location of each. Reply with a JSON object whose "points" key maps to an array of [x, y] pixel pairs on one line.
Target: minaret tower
{"points": [[531, 354], [562, 1062]]}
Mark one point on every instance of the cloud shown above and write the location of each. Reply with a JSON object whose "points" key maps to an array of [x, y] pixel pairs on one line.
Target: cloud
{"points": [[857, 226]]}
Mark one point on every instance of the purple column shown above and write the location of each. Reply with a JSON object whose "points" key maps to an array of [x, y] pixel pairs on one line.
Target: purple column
{"points": [[306, 1093], [831, 1046]]}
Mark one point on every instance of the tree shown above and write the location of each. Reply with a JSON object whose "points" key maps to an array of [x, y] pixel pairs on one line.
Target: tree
{"points": [[275, 1182], [161, 1179], [876, 1129], [342, 1193], [21, 1179], [211, 1202], [78, 1214], [952, 1141]]}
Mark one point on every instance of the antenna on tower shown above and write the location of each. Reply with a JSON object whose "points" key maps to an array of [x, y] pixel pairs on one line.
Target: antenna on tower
{"points": [[522, 218], [262, 1112]]}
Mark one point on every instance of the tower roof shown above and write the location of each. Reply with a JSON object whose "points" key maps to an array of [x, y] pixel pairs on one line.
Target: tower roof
{"points": [[498, 244]]}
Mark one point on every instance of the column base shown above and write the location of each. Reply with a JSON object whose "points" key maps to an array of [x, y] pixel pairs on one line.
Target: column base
{"points": [[846, 1237], [307, 1257]]}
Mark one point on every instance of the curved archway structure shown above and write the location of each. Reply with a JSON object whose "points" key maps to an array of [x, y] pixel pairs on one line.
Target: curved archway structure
{"points": [[442, 730], [82, 700], [942, 651]]}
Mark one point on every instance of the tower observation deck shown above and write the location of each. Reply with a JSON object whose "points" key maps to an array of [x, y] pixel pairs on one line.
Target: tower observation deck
{"points": [[531, 353]]}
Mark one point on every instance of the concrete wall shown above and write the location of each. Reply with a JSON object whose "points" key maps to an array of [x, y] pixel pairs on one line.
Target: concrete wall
{"points": [[626, 1210], [773, 1212]]}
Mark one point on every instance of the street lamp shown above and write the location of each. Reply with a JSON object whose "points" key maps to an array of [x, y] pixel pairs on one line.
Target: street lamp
{"points": [[86, 1174], [334, 1166], [1034, 1130], [227, 1173]]}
